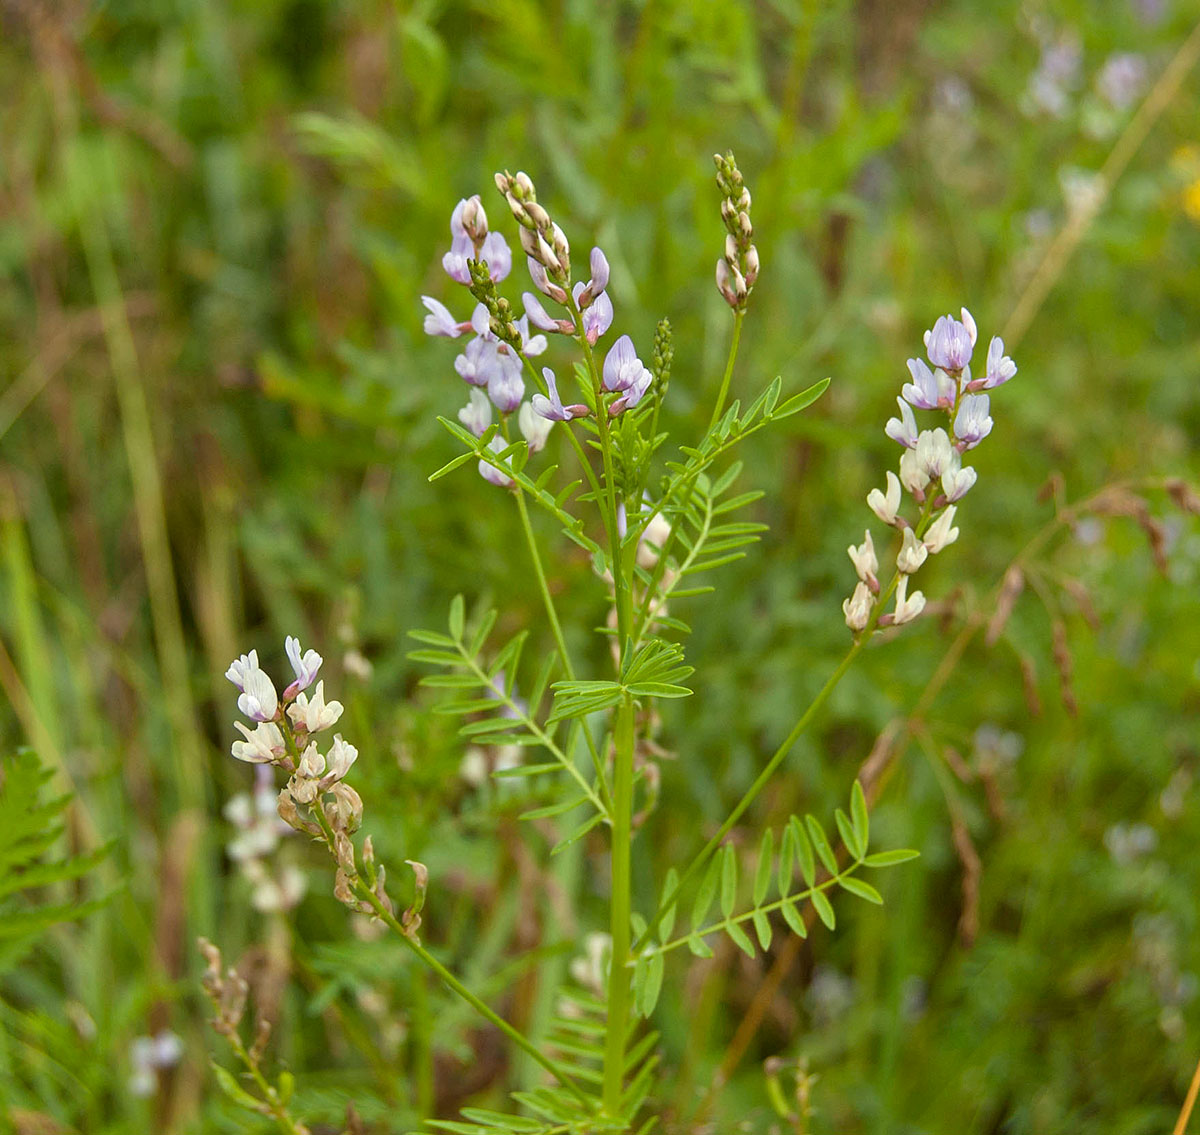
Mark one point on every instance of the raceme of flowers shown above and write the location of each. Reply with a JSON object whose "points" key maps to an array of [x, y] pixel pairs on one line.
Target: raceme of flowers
{"points": [[931, 465], [496, 361]]}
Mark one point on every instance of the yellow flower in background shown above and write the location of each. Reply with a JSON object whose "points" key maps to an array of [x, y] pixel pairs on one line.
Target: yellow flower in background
{"points": [[1186, 162]]}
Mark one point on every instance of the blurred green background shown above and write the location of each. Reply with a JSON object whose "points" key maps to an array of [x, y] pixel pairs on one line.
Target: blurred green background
{"points": [[217, 421]]}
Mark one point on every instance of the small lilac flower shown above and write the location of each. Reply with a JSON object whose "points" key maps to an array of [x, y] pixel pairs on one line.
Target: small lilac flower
{"points": [[552, 408], [1000, 368], [531, 345], [439, 321], [957, 479], [950, 343], [886, 505], [481, 322], [478, 362], [1122, 79], [598, 317], [543, 283], [972, 423], [468, 219], [857, 608], [904, 428], [534, 428], [505, 385], [304, 666], [623, 370], [498, 255], [929, 389], [539, 317], [455, 261], [476, 415], [490, 472], [238, 667], [586, 294], [258, 700]]}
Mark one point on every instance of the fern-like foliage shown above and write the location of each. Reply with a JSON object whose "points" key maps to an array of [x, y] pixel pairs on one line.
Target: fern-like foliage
{"points": [[486, 695], [803, 846], [576, 1040], [32, 825]]}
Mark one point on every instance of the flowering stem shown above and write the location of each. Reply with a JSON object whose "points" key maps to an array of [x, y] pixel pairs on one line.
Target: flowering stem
{"points": [[738, 316], [518, 1038], [754, 789], [277, 1109]]}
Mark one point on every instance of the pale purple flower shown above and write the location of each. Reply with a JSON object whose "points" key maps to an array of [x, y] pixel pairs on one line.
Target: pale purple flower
{"points": [[304, 666], [531, 345], [498, 255], [539, 317], [262, 745], [904, 428], [972, 423], [950, 343], [468, 218], [478, 362], [455, 261], [598, 317], [534, 428], [623, 370], [543, 283], [929, 389], [912, 474], [1000, 368], [598, 263], [1122, 79], [490, 472], [481, 322], [505, 385], [439, 321], [476, 415], [552, 408]]}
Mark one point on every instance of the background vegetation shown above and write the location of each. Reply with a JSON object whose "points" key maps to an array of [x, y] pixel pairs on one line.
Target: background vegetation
{"points": [[216, 424]]}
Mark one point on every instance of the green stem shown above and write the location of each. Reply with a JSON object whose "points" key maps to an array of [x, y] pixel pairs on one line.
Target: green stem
{"points": [[578, 727], [367, 895], [422, 1045], [270, 1096], [718, 409], [759, 783], [620, 909]]}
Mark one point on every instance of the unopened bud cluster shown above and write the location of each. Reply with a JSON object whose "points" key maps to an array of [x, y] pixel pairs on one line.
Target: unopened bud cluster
{"points": [[931, 468], [542, 240], [738, 267]]}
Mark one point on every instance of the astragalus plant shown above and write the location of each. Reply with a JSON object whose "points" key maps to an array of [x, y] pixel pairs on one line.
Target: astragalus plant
{"points": [[658, 517]]}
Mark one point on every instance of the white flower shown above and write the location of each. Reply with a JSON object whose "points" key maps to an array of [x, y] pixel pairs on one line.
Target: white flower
{"points": [[262, 745], [534, 428], [258, 700], [904, 428], [934, 452], [305, 666], [886, 505], [314, 714], [912, 554], [238, 667], [957, 480], [940, 534], [866, 564], [341, 756], [907, 607], [857, 608], [912, 473]]}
